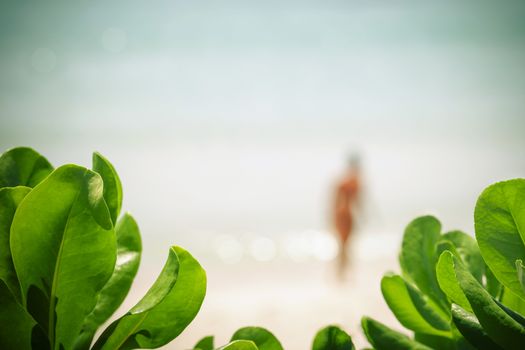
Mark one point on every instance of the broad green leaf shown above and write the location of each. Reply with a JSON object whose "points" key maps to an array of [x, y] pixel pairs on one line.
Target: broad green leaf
{"points": [[445, 244], [512, 313], [412, 308], [23, 166], [418, 257], [468, 250], [260, 336], [10, 197], [469, 327], [112, 184], [492, 285], [501, 328], [446, 275], [205, 343], [165, 311], [520, 269], [17, 325], [64, 250], [240, 345], [129, 249], [512, 301], [332, 338], [439, 342], [120, 330], [383, 338], [500, 230]]}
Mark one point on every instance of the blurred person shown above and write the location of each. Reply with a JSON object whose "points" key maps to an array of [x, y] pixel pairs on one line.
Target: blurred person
{"points": [[347, 193]]}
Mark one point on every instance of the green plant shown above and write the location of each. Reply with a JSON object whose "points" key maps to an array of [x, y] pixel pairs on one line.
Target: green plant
{"points": [[454, 295], [68, 258], [257, 338]]}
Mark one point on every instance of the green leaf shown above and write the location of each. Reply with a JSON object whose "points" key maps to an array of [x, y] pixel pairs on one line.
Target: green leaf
{"points": [[10, 197], [23, 166], [264, 339], [445, 244], [500, 230], [64, 250], [512, 301], [439, 342], [469, 327], [515, 315], [501, 328], [332, 338], [165, 311], [240, 345], [112, 184], [205, 343], [129, 249], [446, 275], [17, 324], [492, 285], [520, 269], [383, 338], [418, 257], [468, 250], [122, 329], [412, 308]]}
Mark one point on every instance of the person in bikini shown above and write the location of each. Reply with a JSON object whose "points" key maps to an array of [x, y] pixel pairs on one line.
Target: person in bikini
{"points": [[346, 200]]}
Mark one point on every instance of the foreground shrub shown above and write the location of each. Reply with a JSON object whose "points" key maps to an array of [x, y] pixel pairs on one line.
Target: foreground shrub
{"points": [[454, 295], [68, 258]]}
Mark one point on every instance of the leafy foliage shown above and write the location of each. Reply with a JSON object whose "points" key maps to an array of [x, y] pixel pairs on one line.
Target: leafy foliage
{"points": [[332, 338], [383, 338], [22, 166], [263, 339], [68, 259], [205, 343], [328, 338], [454, 295], [500, 230]]}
